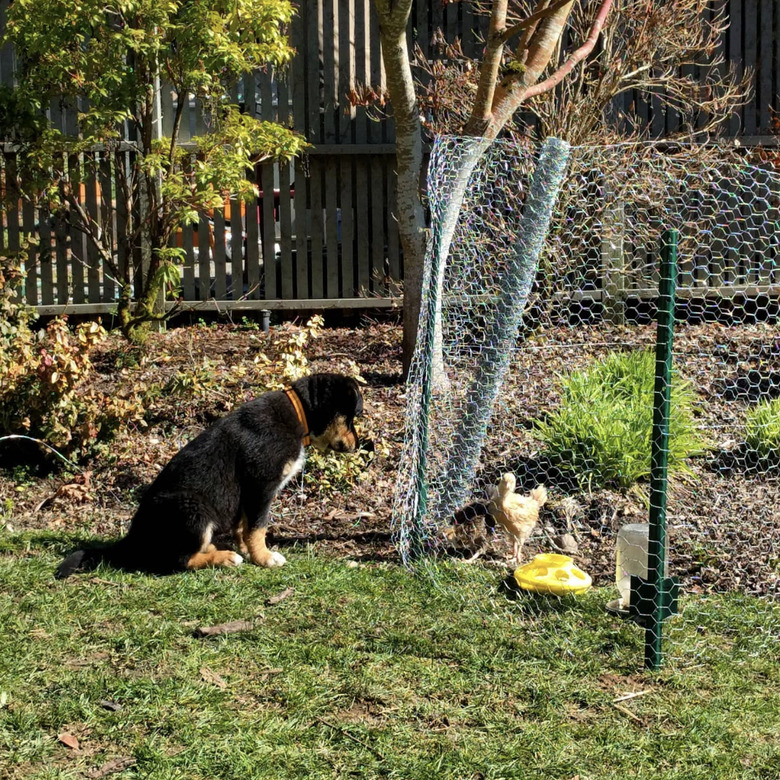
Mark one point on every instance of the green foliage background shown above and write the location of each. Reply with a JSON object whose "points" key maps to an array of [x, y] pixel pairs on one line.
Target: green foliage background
{"points": [[109, 61]]}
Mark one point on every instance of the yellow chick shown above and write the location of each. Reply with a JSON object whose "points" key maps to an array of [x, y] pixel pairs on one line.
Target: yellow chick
{"points": [[518, 515]]}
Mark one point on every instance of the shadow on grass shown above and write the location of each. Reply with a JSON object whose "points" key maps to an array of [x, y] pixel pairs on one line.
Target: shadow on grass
{"points": [[61, 542], [531, 603], [386, 552]]}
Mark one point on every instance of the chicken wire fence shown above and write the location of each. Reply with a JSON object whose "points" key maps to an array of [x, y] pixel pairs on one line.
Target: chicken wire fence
{"points": [[530, 401]]}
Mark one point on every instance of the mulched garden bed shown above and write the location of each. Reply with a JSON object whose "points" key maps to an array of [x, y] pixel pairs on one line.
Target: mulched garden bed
{"points": [[724, 520]]}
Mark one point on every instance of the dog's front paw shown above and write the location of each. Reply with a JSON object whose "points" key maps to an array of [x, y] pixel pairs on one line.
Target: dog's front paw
{"points": [[266, 558], [276, 559], [237, 559]]}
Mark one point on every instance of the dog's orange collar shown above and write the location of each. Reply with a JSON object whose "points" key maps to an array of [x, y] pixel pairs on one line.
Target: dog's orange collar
{"points": [[298, 406]]}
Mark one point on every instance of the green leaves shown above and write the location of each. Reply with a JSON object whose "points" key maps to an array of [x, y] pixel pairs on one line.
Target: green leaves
{"points": [[225, 39], [238, 142], [762, 430], [108, 61], [109, 56], [603, 427]]}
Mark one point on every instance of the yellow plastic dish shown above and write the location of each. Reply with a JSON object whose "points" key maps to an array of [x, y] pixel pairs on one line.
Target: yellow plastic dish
{"points": [[551, 573]]}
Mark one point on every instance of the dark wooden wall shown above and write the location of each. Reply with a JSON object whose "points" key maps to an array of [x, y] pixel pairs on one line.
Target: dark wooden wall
{"points": [[322, 234]]}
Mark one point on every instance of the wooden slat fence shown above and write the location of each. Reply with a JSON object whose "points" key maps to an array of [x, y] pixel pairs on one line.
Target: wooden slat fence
{"points": [[322, 230]]}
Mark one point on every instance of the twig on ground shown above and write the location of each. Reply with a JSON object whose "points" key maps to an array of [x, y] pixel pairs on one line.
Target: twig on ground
{"points": [[343, 731], [101, 581], [630, 696], [628, 712]]}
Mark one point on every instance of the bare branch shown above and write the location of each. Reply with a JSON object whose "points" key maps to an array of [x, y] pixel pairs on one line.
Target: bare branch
{"points": [[175, 132], [636, 72], [576, 56], [532, 20], [541, 46], [491, 63], [91, 230], [668, 54]]}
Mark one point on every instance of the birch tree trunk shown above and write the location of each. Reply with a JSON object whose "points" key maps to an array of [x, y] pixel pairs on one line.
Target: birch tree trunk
{"points": [[393, 22], [495, 103], [484, 126]]}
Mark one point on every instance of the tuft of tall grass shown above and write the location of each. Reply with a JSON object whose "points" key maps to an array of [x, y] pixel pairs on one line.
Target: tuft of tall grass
{"points": [[762, 430], [603, 427]]}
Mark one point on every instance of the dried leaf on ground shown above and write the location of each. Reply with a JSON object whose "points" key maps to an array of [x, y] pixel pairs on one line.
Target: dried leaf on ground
{"points": [[286, 593], [233, 627], [112, 767], [68, 740], [210, 676]]}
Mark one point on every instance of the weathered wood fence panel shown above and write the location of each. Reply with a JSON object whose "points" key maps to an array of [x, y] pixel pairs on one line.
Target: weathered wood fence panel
{"points": [[322, 229]]}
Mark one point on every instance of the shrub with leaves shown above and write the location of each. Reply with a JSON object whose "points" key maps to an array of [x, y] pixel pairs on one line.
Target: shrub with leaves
{"points": [[196, 381], [292, 357], [329, 472], [603, 427], [110, 60], [45, 377], [15, 319], [762, 430]]}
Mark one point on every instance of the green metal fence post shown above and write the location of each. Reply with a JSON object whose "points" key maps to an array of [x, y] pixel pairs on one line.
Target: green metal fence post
{"points": [[656, 553]]}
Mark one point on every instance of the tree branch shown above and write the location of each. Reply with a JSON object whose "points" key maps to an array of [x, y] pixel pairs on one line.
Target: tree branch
{"points": [[636, 72], [175, 132], [150, 316], [538, 48], [576, 56], [89, 228], [488, 72], [535, 17]]}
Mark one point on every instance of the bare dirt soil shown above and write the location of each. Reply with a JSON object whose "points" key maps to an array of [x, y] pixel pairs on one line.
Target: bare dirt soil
{"points": [[724, 520]]}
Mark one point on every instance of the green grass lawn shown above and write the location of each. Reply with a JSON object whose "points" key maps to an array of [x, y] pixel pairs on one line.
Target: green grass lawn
{"points": [[368, 672]]}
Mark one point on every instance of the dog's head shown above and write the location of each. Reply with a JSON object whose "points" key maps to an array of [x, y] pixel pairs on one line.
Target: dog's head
{"points": [[332, 402]]}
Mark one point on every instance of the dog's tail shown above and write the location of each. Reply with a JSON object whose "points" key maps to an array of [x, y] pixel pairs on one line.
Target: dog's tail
{"points": [[115, 554]]}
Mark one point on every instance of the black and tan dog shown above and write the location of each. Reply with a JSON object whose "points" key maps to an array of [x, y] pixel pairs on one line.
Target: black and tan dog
{"points": [[223, 482]]}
